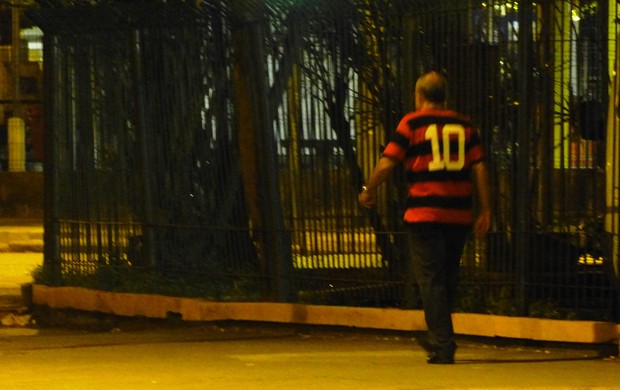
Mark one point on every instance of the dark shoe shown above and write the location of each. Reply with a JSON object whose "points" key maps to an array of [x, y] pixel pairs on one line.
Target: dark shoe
{"points": [[425, 344], [435, 358], [437, 354]]}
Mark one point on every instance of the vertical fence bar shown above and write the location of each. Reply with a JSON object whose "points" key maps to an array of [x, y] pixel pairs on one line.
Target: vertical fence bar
{"points": [[147, 216], [278, 237], [52, 96], [524, 150], [612, 183]]}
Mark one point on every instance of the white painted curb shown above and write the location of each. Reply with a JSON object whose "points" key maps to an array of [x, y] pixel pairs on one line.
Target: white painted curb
{"points": [[158, 306]]}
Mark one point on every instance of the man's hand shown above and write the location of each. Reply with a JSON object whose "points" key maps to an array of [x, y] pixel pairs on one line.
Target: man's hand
{"points": [[482, 223], [367, 198]]}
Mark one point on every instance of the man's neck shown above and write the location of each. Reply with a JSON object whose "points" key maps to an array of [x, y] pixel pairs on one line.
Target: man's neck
{"points": [[427, 106]]}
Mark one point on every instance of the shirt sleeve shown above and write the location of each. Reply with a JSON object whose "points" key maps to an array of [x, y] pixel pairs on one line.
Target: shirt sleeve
{"points": [[399, 142]]}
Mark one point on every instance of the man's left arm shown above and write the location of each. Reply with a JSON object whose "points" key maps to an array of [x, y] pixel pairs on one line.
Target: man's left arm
{"points": [[481, 179]]}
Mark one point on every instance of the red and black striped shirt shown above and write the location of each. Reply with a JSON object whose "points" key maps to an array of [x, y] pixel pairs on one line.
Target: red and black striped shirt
{"points": [[438, 148]]}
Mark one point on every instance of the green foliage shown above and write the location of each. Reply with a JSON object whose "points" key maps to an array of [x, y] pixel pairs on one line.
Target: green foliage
{"points": [[470, 299], [546, 308], [475, 299], [503, 302], [125, 278]]}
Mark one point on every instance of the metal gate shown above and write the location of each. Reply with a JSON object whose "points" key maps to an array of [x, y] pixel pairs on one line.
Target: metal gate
{"points": [[216, 148]]}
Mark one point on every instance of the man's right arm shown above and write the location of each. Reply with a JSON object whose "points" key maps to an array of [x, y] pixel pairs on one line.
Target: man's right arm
{"points": [[384, 167]]}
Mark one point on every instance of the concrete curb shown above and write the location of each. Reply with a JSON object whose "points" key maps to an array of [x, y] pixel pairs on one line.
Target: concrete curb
{"points": [[157, 306], [23, 246]]}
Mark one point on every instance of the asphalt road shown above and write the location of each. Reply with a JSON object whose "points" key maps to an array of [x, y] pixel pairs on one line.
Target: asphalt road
{"points": [[263, 356]]}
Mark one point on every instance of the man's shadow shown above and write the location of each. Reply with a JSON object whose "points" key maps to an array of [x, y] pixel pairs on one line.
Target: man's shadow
{"points": [[533, 360]]}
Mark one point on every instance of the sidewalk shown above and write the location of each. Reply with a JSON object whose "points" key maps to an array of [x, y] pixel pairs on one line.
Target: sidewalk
{"points": [[266, 356], [21, 251], [16, 268]]}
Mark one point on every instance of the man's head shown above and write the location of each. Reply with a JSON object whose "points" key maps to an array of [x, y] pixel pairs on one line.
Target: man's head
{"points": [[430, 91]]}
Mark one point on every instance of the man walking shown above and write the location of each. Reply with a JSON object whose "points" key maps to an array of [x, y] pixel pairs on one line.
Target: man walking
{"points": [[443, 160]]}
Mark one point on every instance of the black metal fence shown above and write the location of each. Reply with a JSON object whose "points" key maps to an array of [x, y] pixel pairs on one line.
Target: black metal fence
{"points": [[216, 148]]}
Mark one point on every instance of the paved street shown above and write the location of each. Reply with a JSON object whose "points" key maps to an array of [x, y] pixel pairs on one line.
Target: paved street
{"points": [[260, 356], [142, 355]]}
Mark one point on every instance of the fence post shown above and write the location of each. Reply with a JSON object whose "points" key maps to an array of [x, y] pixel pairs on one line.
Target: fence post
{"points": [[148, 240], [257, 144], [56, 122], [612, 164], [276, 237], [524, 151]]}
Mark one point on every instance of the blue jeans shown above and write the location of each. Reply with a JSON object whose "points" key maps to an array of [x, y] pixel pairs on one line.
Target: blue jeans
{"points": [[435, 254]]}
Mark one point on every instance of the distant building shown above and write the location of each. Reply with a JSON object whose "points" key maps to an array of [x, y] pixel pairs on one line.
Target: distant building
{"points": [[21, 97]]}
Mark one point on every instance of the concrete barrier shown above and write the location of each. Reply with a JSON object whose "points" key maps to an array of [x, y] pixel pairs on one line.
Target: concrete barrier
{"points": [[189, 309]]}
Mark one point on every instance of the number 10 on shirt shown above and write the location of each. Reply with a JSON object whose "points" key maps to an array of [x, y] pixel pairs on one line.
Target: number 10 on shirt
{"points": [[452, 136]]}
